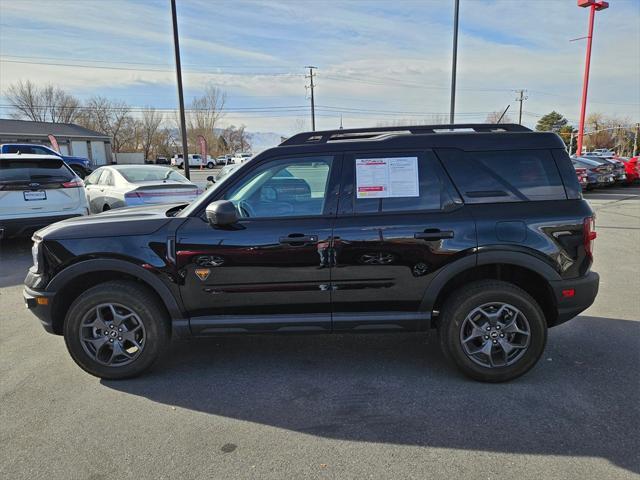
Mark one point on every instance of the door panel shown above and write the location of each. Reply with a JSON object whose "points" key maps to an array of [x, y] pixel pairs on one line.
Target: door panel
{"points": [[253, 269], [385, 256], [274, 261]]}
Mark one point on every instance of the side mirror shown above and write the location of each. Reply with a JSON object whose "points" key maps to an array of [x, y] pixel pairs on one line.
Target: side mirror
{"points": [[221, 213], [211, 179]]}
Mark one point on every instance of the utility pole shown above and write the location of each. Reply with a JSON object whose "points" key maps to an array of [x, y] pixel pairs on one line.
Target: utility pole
{"points": [[313, 107], [454, 62], [183, 126], [521, 98], [635, 140], [573, 132]]}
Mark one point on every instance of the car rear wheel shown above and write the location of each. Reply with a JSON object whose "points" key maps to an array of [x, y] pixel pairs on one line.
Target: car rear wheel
{"points": [[116, 330], [493, 331], [210, 165]]}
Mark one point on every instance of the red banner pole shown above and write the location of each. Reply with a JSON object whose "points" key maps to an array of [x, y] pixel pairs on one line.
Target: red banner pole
{"points": [[585, 83]]}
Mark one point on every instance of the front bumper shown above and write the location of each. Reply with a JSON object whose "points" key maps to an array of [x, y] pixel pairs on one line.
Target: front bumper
{"points": [[40, 304], [573, 296], [24, 227]]}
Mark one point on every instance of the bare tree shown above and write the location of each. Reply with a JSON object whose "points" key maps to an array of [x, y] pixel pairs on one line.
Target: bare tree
{"points": [[42, 104], [493, 117], [204, 114], [165, 143], [112, 118], [149, 127], [234, 139]]}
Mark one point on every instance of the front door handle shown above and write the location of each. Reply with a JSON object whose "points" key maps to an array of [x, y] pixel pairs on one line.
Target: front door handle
{"points": [[433, 235], [298, 238]]}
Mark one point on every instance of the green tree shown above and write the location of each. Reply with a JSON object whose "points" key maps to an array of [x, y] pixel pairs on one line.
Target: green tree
{"points": [[551, 122], [565, 135]]}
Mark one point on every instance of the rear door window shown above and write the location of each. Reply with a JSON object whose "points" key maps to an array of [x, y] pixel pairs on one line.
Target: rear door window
{"points": [[106, 178], [18, 173], [421, 184], [504, 176]]}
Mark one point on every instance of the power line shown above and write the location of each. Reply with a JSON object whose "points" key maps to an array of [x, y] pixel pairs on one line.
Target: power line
{"points": [[156, 70]]}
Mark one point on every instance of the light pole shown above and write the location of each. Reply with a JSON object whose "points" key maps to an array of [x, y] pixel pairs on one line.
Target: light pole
{"points": [[454, 62], [183, 126], [594, 6]]}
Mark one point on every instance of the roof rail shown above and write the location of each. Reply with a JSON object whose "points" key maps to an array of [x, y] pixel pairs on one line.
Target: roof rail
{"points": [[325, 136]]}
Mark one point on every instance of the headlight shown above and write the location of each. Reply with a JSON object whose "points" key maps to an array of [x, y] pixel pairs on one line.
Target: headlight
{"points": [[35, 254]]}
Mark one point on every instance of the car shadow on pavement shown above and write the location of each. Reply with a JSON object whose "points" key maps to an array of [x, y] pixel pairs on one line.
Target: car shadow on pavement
{"points": [[581, 399]]}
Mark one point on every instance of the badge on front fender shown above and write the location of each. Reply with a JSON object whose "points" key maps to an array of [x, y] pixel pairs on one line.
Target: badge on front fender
{"points": [[203, 273]]}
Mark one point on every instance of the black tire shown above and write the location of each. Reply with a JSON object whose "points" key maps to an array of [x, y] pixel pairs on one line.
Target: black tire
{"points": [[210, 165], [462, 302], [106, 208], [181, 166], [138, 300]]}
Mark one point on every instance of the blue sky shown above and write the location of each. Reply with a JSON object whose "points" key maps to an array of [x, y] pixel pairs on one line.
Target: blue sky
{"points": [[378, 61]]}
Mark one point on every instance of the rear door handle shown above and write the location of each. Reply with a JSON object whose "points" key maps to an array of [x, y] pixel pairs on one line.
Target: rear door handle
{"points": [[298, 238], [433, 235]]}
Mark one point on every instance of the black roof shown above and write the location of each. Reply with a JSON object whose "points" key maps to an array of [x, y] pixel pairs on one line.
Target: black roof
{"points": [[464, 136], [42, 129]]}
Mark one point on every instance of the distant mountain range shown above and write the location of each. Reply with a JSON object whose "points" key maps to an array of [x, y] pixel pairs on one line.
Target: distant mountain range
{"points": [[262, 140], [259, 140]]}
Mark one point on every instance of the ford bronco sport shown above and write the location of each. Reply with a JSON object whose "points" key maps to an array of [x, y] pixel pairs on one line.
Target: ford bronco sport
{"points": [[477, 230]]}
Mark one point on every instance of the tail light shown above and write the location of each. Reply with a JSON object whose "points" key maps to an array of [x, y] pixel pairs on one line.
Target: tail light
{"points": [[589, 235], [77, 183], [135, 194]]}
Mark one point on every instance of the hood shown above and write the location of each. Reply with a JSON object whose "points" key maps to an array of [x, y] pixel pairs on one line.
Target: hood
{"points": [[112, 223]]}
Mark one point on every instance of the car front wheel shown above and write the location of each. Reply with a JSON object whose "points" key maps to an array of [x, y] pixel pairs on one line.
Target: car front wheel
{"points": [[116, 330], [493, 331]]}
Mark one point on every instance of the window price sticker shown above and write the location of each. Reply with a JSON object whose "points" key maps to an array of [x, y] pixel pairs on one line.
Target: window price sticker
{"points": [[387, 177]]}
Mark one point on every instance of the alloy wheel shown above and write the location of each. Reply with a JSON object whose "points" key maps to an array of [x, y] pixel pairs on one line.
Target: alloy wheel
{"points": [[112, 334], [495, 335]]}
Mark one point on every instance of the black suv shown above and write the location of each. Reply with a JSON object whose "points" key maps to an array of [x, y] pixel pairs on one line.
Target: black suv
{"points": [[477, 230]]}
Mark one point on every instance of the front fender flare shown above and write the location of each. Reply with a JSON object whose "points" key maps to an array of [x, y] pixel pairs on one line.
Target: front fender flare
{"points": [[179, 323]]}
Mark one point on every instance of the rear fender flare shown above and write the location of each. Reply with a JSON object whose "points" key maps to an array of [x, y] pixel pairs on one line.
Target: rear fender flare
{"points": [[520, 259]]}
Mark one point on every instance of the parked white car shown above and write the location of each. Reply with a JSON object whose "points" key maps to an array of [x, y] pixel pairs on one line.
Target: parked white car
{"points": [[118, 186], [242, 157], [195, 160], [36, 191]]}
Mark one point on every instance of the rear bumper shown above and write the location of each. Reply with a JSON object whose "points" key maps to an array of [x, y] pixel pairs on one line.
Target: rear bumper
{"points": [[24, 227], [40, 310], [585, 290]]}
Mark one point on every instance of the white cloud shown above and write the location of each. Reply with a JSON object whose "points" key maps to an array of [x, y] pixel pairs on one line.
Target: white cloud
{"points": [[370, 58]]}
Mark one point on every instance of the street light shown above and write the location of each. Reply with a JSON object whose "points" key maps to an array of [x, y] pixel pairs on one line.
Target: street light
{"points": [[454, 61], [594, 6]]}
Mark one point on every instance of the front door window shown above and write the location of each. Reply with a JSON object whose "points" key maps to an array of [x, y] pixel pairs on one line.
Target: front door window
{"points": [[284, 188]]}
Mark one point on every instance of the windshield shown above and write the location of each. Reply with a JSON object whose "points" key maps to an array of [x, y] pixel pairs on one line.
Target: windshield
{"points": [[151, 174]]}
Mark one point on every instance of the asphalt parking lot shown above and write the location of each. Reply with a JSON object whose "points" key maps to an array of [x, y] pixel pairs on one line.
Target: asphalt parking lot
{"points": [[347, 407]]}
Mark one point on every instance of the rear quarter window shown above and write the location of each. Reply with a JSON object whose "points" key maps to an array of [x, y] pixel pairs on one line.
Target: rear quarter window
{"points": [[504, 176]]}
